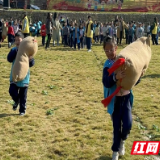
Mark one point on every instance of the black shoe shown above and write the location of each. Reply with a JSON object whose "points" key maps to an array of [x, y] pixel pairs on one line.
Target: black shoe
{"points": [[15, 106]]}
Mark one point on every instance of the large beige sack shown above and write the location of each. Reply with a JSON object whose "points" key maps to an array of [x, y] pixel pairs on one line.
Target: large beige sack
{"points": [[28, 47], [138, 56]]}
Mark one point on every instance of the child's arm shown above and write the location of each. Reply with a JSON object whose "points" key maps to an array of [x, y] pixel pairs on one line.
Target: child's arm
{"points": [[31, 62], [12, 55], [108, 81]]}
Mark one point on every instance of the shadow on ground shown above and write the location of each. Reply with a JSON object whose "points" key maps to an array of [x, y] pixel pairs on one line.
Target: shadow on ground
{"points": [[104, 158], [7, 115], [152, 76]]}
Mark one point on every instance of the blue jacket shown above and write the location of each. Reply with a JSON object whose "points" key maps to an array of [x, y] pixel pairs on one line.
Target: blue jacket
{"points": [[11, 58], [109, 85], [78, 35], [71, 30], [131, 31], [39, 25]]}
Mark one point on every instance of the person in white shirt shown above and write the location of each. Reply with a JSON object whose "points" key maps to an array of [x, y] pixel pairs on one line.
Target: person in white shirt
{"points": [[140, 31], [15, 27]]}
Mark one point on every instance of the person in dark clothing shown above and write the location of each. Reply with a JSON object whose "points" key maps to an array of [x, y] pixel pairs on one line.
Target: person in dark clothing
{"points": [[18, 90], [49, 27], [65, 34]]}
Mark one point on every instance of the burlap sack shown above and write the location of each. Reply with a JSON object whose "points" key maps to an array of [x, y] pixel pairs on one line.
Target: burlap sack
{"points": [[28, 47], [138, 56]]}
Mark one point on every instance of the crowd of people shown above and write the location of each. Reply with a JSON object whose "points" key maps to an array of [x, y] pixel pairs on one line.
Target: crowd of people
{"points": [[79, 34], [9, 28]]}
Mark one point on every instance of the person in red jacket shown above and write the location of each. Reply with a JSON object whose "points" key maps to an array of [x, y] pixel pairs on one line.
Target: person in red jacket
{"points": [[10, 35], [43, 33]]}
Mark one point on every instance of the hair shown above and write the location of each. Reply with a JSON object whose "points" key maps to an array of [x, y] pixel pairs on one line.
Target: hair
{"points": [[109, 40], [55, 16], [9, 23], [155, 20], [24, 13], [19, 34], [89, 17], [48, 15]]}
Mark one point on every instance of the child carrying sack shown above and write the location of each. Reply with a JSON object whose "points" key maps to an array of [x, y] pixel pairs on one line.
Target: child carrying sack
{"points": [[134, 60], [27, 48]]}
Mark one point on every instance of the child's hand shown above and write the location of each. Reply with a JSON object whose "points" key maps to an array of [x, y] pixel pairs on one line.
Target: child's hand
{"points": [[30, 57], [120, 74]]}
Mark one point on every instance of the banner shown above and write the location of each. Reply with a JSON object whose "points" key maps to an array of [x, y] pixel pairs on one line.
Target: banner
{"points": [[105, 5]]}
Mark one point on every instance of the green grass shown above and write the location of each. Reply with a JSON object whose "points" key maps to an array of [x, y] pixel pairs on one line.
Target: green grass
{"points": [[64, 118]]}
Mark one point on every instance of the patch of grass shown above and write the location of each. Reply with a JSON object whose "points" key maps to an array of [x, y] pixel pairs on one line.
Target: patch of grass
{"points": [[68, 85]]}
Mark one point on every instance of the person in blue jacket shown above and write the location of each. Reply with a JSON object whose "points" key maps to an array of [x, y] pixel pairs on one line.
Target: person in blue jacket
{"points": [[76, 36], [130, 33], [120, 107], [18, 90]]}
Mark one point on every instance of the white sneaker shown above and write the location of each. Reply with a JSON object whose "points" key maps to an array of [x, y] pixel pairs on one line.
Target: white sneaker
{"points": [[122, 148], [115, 156], [89, 50]]}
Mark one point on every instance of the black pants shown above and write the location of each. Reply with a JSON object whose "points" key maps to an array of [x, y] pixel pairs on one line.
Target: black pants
{"points": [[130, 39], [101, 39], [48, 40], [122, 120], [65, 40], [96, 38], [19, 94], [81, 42], [127, 39], [154, 40], [10, 38], [88, 42], [71, 41], [121, 36], [43, 40], [26, 35], [75, 42], [0, 36], [37, 32]]}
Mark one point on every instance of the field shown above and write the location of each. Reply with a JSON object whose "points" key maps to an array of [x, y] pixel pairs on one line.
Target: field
{"points": [[64, 118]]}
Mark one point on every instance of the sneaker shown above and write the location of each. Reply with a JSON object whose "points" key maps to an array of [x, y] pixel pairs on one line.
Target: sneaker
{"points": [[22, 113], [15, 106], [115, 156], [89, 50], [122, 148], [9, 45]]}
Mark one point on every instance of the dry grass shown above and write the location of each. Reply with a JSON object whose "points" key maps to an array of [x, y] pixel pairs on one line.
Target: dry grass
{"points": [[79, 127]]}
